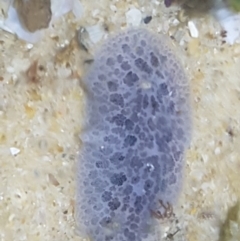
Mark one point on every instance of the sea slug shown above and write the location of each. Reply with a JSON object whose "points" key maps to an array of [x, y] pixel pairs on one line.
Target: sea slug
{"points": [[138, 126]]}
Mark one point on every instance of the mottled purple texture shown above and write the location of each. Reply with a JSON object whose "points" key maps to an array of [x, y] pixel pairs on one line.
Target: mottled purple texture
{"points": [[138, 128]]}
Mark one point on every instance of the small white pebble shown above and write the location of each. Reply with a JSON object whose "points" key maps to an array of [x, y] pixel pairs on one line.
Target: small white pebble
{"points": [[176, 22], [154, 13], [66, 42], [46, 159], [215, 51], [166, 26], [64, 72], [10, 69], [11, 217], [166, 232], [217, 151], [113, 8], [29, 46], [14, 77], [133, 17], [65, 164], [182, 42], [14, 151], [95, 33], [193, 29], [212, 142], [205, 158], [95, 12]]}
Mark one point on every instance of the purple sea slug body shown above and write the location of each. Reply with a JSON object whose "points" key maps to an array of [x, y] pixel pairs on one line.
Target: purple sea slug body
{"points": [[138, 126]]}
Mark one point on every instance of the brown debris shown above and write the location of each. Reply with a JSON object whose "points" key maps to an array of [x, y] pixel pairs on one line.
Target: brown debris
{"points": [[32, 73], [65, 54], [53, 179], [168, 211], [34, 14]]}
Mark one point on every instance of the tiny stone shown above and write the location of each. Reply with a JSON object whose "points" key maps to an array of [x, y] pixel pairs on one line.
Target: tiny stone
{"points": [[29, 46], [10, 69], [34, 14], [14, 151], [193, 29], [147, 20], [133, 17]]}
